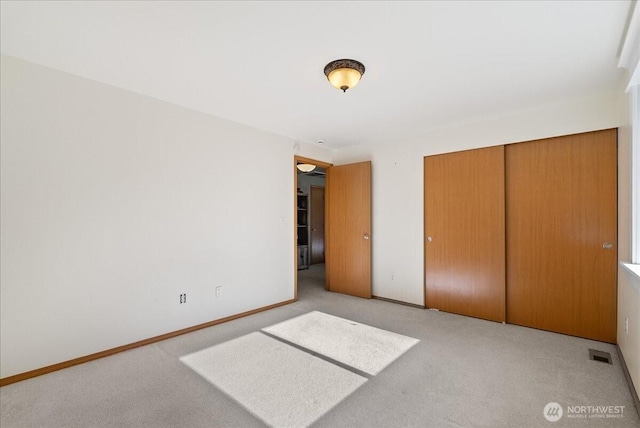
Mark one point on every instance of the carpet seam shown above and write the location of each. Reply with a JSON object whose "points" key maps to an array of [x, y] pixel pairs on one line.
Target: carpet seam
{"points": [[319, 355]]}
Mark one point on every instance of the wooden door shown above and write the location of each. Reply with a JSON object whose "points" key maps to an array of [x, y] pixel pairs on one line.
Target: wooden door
{"points": [[464, 233], [561, 234], [317, 224], [348, 238]]}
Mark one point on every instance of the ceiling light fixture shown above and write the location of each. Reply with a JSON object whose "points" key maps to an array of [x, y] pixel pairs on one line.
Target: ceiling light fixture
{"points": [[344, 73], [306, 167]]}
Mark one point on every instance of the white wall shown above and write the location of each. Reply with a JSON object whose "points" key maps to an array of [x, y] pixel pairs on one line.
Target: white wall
{"points": [[628, 283], [397, 179], [629, 308], [313, 151], [113, 204]]}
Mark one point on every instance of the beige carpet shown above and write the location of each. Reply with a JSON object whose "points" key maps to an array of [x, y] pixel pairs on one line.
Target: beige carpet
{"points": [[360, 346], [281, 385]]}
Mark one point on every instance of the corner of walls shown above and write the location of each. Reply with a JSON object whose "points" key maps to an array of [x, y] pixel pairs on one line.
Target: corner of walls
{"points": [[625, 160], [396, 218]]}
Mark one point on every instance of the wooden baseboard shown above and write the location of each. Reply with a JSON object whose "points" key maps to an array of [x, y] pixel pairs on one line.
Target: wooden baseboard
{"points": [[399, 302], [70, 363], [627, 375]]}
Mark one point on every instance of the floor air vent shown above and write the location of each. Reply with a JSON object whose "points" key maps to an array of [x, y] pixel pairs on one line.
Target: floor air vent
{"points": [[603, 357]]}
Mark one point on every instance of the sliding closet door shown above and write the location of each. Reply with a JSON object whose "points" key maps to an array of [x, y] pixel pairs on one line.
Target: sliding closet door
{"points": [[464, 233], [561, 234]]}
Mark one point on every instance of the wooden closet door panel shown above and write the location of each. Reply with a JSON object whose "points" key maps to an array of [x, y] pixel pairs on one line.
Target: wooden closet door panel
{"points": [[464, 231], [561, 209]]}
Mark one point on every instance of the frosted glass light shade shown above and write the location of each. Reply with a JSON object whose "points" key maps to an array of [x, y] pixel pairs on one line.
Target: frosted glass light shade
{"points": [[344, 78], [344, 73], [306, 167]]}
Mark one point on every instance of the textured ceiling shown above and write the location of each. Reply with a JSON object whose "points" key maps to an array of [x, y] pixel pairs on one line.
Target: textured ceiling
{"points": [[428, 64]]}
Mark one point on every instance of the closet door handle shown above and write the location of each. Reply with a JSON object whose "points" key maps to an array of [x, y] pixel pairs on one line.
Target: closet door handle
{"points": [[366, 236], [607, 245]]}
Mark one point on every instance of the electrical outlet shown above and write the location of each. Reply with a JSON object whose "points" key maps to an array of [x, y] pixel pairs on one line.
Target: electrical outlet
{"points": [[626, 325], [183, 298], [218, 291]]}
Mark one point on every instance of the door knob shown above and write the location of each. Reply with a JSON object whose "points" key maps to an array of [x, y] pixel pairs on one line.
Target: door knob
{"points": [[429, 238], [366, 236], [607, 245]]}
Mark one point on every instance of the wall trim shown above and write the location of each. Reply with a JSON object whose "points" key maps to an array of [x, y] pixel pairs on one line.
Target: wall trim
{"points": [[627, 376], [399, 302], [81, 360]]}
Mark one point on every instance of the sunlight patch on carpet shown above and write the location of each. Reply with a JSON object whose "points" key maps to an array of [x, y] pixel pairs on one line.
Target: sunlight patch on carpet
{"points": [[281, 385], [360, 346]]}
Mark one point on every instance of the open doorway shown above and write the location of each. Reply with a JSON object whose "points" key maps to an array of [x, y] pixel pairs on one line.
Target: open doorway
{"points": [[347, 228], [311, 179]]}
